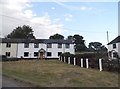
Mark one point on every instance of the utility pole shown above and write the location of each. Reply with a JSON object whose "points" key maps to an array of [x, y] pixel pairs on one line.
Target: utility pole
{"points": [[107, 37]]}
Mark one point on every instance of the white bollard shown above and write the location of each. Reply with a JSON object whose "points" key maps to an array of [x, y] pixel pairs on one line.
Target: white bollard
{"points": [[74, 61], [100, 64], [59, 58], [68, 60], [86, 63], [64, 59], [81, 62]]}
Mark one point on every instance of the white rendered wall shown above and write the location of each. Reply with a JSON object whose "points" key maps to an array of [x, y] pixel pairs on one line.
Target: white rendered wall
{"points": [[12, 49]]}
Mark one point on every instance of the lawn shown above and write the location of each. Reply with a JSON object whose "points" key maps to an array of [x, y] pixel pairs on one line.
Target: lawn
{"points": [[54, 73]]}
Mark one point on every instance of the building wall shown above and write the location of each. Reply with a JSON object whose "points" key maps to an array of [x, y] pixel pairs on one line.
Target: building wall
{"points": [[54, 50], [12, 49], [117, 49]]}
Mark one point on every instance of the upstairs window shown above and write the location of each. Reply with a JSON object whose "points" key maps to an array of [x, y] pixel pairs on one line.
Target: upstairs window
{"points": [[59, 45], [8, 45], [49, 45], [7, 54], [26, 45], [36, 45], [114, 46], [67, 45]]}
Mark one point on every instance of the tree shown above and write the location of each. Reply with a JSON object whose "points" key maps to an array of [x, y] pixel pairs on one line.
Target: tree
{"points": [[79, 42], [21, 32], [56, 36], [96, 46]]}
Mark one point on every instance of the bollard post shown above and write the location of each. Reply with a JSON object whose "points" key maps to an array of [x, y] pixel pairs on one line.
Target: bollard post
{"points": [[64, 59], [100, 64], [81, 62], [68, 60], [59, 58], [74, 61], [87, 63]]}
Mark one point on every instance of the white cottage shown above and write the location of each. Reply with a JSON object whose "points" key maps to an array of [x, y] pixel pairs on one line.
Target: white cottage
{"points": [[31, 48], [114, 48]]}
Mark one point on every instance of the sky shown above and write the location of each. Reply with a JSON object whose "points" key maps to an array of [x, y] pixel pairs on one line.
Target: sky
{"points": [[88, 18]]}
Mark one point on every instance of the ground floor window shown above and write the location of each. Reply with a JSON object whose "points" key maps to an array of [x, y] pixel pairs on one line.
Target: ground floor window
{"points": [[35, 54], [49, 54], [59, 53], [26, 54], [7, 54]]}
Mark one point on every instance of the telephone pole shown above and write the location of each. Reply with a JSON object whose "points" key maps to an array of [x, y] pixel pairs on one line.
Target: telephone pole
{"points": [[107, 37]]}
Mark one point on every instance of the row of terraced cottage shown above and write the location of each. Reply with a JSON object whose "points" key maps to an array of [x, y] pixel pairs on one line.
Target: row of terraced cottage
{"points": [[34, 48], [47, 48]]}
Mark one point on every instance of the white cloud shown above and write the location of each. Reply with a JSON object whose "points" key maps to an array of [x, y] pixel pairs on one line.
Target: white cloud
{"points": [[68, 17], [53, 8], [18, 12], [81, 8]]}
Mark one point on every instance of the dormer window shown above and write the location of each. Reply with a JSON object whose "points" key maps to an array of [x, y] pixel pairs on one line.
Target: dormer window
{"points": [[59, 45], [36, 45], [49, 45], [26, 45], [67, 45], [8, 45]]}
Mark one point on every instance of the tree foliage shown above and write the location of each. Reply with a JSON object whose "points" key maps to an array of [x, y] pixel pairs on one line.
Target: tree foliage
{"points": [[21, 32], [56, 36], [79, 42], [96, 46]]}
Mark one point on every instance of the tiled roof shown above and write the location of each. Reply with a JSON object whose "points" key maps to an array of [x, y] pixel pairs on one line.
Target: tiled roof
{"points": [[116, 40], [5, 40]]}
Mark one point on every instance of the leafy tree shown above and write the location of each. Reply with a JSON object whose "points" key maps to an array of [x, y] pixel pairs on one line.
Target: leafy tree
{"points": [[79, 42], [56, 36], [21, 32], [96, 46]]}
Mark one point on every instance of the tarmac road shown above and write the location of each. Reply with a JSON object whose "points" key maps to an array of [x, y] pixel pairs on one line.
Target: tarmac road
{"points": [[9, 82]]}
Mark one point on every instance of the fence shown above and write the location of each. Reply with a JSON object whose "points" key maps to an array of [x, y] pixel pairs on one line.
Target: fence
{"points": [[100, 64]]}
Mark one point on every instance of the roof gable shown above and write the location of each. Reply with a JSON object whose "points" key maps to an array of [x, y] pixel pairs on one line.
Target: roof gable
{"points": [[116, 40]]}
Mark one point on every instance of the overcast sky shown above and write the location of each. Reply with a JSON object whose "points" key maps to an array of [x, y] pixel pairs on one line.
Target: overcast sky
{"points": [[89, 18]]}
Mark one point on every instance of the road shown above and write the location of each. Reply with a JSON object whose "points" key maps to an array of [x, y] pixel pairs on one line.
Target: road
{"points": [[9, 82]]}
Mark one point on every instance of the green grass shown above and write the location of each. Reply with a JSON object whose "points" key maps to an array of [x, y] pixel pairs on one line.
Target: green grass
{"points": [[54, 73]]}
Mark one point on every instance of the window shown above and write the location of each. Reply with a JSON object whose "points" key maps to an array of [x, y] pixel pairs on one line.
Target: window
{"points": [[36, 45], [26, 45], [49, 45], [59, 53], [67, 45], [7, 54], [49, 54], [59, 45], [8, 45], [114, 46], [35, 54], [26, 54]]}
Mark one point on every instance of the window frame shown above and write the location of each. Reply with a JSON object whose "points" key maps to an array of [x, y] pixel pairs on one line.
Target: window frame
{"points": [[59, 45], [26, 45], [49, 45], [59, 53], [35, 54], [50, 54], [27, 55], [114, 46], [8, 45], [67, 46], [7, 54], [36, 45]]}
